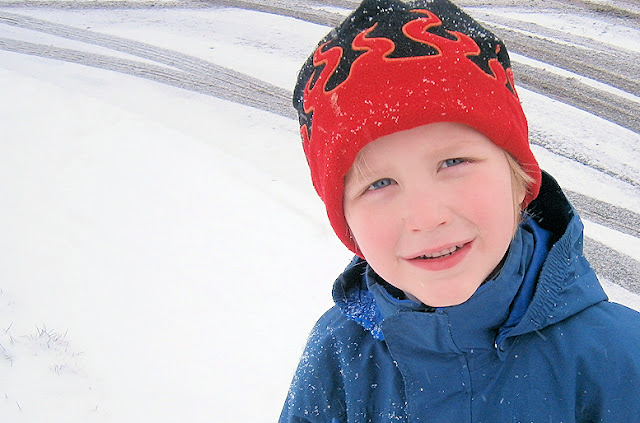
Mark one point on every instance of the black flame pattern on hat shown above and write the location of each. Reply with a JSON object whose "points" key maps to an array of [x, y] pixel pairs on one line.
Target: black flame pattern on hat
{"points": [[387, 18]]}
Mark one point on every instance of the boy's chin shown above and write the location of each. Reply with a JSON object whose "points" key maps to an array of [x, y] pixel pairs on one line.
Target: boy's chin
{"points": [[444, 299]]}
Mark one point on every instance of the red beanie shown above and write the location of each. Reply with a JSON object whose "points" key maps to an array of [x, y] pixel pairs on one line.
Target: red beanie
{"points": [[392, 66]]}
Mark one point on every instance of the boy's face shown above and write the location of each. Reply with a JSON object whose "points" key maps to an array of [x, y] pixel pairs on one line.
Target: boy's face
{"points": [[432, 210]]}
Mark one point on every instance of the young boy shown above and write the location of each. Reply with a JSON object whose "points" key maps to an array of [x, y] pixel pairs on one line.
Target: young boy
{"points": [[469, 299]]}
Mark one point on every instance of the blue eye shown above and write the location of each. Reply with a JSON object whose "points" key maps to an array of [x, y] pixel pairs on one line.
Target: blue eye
{"points": [[453, 162], [381, 183]]}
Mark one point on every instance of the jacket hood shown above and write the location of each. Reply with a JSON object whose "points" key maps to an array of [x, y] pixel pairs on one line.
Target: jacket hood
{"points": [[544, 280], [567, 284]]}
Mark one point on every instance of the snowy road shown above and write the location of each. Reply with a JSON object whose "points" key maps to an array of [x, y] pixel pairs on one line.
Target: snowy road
{"points": [[603, 79], [164, 65]]}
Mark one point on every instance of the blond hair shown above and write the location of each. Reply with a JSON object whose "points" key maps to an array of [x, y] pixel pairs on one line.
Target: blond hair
{"points": [[521, 182]]}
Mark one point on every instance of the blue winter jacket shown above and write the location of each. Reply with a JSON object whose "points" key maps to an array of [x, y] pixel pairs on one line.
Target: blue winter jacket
{"points": [[537, 343]]}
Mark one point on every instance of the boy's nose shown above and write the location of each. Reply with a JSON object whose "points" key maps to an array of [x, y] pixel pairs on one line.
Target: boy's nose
{"points": [[425, 211]]}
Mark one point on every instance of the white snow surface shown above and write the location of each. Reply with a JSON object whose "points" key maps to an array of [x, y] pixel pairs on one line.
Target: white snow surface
{"points": [[599, 28], [164, 255]]}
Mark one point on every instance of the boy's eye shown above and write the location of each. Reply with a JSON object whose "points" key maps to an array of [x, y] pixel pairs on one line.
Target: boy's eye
{"points": [[453, 162], [380, 183]]}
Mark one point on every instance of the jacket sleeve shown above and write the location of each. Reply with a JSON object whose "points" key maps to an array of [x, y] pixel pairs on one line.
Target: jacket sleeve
{"points": [[316, 394]]}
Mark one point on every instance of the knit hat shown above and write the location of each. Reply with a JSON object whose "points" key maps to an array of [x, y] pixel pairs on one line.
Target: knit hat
{"points": [[393, 66]]}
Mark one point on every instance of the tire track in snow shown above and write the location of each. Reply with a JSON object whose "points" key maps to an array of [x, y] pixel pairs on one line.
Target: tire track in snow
{"points": [[613, 265], [628, 9], [605, 214], [310, 11], [107, 4], [188, 72], [541, 139], [573, 92], [584, 56], [224, 85], [199, 75], [621, 71], [608, 106], [609, 67]]}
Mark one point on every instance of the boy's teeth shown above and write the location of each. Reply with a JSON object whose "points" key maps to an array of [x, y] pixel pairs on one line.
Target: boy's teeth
{"points": [[440, 253]]}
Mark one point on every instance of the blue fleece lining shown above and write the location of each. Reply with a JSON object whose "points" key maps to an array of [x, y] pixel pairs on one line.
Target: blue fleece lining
{"points": [[524, 296], [360, 304]]}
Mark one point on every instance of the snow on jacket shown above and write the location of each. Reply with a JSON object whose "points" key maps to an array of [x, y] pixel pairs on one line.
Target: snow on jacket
{"points": [[537, 343]]}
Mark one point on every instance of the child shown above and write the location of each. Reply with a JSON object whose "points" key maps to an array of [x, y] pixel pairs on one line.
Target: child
{"points": [[469, 299]]}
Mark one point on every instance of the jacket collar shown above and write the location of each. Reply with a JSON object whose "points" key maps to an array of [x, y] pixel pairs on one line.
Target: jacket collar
{"points": [[367, 299], [472, 325]]}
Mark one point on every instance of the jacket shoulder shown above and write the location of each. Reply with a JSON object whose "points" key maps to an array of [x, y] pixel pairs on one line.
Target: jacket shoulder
{"points": [[608, 362], [345, 374], [318, 389], [333, 340], [602, 331], [612, 322]]}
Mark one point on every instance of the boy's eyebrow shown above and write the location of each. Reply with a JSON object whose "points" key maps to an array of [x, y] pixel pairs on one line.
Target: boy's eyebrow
{"points": [[359, 169], [453, 146], [361, 175], [355, 178]]}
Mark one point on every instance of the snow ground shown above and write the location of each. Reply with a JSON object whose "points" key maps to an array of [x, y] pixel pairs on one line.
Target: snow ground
{"points": [[608, 31], [165, 259], [164, 254]]}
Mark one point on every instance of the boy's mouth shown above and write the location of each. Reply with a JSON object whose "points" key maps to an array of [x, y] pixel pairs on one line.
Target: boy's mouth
{"points": [[443, 259], [442, 253]]}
